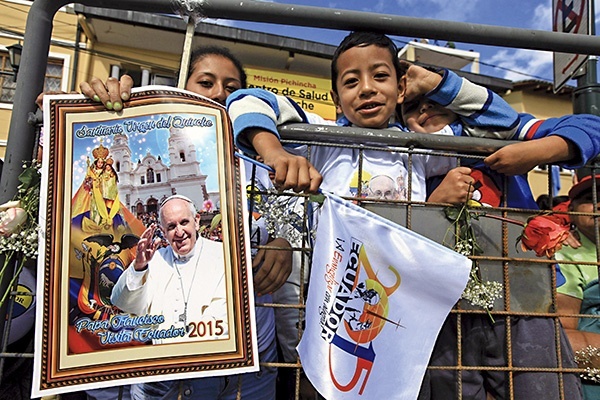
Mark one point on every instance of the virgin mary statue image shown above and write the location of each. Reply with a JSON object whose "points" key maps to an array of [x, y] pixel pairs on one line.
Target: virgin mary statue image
{"points": [[104, 234]]}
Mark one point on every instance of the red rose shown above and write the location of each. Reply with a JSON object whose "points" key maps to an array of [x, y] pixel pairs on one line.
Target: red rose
{"points": [[543, 234], [560, 217]]}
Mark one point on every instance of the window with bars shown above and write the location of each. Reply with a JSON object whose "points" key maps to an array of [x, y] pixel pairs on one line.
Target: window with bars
{"points": [[52, 81], [53, 78], [9, 84]]}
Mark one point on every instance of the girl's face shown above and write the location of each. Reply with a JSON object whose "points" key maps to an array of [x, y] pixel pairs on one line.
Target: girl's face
{"points": [[215, 77]]}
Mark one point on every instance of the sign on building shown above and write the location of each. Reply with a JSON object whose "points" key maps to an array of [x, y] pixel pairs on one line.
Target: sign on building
{"points": [[311, 93], [569, 16]]}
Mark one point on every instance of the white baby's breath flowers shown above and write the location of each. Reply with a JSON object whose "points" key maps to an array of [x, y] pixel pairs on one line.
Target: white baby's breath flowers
{"points": [[284, 216], [481, 293], [585, 358], [477, 292]]}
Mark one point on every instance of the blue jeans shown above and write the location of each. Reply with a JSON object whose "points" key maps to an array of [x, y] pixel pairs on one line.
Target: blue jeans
{"points": [[111, 393], [256, 385]]}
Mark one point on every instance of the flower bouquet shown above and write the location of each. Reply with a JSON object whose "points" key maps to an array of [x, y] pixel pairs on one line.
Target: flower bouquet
{"points": [[19, 224], [542, 233]]}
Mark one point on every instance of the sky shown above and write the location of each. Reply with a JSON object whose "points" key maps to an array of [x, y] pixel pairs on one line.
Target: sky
{"points": [[508, 63]]}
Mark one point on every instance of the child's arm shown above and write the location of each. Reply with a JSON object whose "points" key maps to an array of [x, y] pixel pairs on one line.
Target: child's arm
{"points": [[291, 171], [476, 105], [568, 305], [570, 141], [520, 158], [256, 114], [417, 81], [274, 266], [480, 107]]}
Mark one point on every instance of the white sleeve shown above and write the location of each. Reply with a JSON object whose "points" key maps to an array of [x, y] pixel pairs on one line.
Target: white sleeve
{"points": [[130, 293]]}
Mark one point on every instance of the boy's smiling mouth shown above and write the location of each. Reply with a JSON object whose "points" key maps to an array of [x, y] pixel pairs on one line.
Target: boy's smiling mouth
{"points": [[369, 107]]}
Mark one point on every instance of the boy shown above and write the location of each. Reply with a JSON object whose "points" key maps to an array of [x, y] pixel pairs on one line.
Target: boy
{"points": [[365, 79], [580, 293], [427, 107], [366, 86]]}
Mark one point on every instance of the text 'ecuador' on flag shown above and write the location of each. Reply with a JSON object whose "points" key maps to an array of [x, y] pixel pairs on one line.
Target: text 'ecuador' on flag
{"points": [[378, 296]]}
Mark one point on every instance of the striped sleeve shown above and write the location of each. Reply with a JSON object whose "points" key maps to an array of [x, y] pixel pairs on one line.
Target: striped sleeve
{"points": [[476, 105], [260, 109], [581, 130]]}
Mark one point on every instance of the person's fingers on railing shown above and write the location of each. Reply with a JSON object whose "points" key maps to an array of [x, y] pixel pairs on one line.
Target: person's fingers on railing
{"points": [[315, 180]]}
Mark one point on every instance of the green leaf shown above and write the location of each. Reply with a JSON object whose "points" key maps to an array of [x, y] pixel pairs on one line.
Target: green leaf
{"points": [[27, 177], [215, 221], [452, 213], [30, 178], [463, 231], [317, 198], [477, 250], [475, 215]]}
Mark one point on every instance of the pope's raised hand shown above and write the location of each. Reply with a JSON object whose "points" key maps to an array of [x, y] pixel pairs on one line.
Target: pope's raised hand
{"points": [[146, 248]]}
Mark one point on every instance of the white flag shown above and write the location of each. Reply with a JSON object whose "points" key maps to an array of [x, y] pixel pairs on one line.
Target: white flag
{"points": [[377, 299]]}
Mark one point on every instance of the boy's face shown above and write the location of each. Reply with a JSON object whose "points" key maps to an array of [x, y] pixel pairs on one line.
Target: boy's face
{"points": [[584, 223], [367, 86], [424, 116]]}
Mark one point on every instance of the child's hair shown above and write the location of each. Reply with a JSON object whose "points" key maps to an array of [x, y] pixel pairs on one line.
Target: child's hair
{"points": [[201, 52], [544, 203], [362, 39]]}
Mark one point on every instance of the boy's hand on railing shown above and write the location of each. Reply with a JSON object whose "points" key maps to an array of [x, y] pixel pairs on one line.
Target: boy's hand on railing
{"points": [[520, 158], [294, 172], [456, 188], [291, 171], [573, 240], [514, 159]]}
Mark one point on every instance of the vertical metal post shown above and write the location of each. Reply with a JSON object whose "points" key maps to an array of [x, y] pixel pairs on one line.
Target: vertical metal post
{"points": [[30, 83], [187, 49], [586, 97]]}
